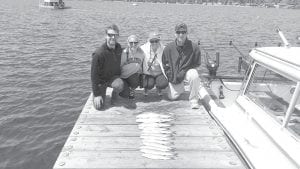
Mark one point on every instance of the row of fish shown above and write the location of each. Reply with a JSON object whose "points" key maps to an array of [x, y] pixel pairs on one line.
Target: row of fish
{"points": [[157, 136]]}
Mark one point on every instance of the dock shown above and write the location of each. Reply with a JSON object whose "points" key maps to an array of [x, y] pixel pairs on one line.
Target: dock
{"points": [[111, 138]]}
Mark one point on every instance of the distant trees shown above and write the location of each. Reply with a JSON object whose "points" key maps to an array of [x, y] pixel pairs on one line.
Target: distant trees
{"points": [[224, 2]]}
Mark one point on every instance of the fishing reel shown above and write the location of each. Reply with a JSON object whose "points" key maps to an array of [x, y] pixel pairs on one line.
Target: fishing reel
{"points": [[212, 65]]}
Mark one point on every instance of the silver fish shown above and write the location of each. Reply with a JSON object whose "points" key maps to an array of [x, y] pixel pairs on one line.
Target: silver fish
{"points": [[165, 148], [159, 125], [157, 157], [158, 146], [157, 131], [157, 135], [157, 138], [153, 120], [161, 142], [155, 152], [151, 115]]}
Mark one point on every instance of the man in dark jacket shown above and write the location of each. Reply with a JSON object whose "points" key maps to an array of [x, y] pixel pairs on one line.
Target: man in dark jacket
{"points": [[105, 68], [180, 60]]}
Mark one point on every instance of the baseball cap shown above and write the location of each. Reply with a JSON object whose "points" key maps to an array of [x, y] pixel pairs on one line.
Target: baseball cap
{"points": [[181, 27], [154, 35], [133, 38]]}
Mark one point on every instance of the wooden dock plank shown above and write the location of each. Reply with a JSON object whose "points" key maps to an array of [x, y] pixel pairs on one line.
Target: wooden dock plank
{"points": [[110, 139], [134, 159], [133, 143], [124, 119], [133, 131]]}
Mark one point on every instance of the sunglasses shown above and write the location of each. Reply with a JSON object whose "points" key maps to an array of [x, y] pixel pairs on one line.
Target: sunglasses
{"points": [[154, 41], [112, 35], [180, 32], [133, 43]]}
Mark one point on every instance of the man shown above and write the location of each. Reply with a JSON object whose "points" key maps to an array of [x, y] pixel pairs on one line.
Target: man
{"points": [[180, 60], [105, 68]]}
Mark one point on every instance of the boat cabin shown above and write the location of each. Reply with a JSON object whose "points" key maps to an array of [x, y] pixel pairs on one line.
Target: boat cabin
{"points": [[263, 119]]}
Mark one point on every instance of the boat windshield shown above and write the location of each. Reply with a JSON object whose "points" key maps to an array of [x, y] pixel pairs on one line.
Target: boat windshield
{"points": [[273, 92]]}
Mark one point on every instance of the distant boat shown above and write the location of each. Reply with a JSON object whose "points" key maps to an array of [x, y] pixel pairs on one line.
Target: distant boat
{"points": [[135, 4], [53, 4]]}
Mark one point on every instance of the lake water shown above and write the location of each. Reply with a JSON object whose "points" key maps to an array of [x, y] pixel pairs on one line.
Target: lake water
{"points": [[45, 60]]}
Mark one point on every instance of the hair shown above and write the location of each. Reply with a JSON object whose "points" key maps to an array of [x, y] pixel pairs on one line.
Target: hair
{"points": [[113, 27]]}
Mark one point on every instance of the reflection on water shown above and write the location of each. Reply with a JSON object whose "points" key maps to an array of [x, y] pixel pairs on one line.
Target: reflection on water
{"points": [[45, 60]]}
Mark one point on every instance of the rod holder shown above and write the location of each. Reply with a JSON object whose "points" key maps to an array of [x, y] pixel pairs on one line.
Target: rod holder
{"points": [[212, 65]]}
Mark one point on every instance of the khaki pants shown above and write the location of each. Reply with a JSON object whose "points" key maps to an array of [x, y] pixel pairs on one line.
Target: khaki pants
{"points": [[193, 80]]}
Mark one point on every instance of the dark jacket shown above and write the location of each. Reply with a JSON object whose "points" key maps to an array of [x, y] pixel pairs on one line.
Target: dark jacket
{"points": [[178, 60], [105, 67]]}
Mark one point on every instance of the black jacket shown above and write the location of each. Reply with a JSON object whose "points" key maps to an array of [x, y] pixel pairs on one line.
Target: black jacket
{"points": [[178, 60], [105, 67]]}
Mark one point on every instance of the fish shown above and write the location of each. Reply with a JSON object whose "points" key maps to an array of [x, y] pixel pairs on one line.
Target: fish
{"points": [[159, 125], [154, 120], [157, 157], [157, 134], [156, 128], [158, 131], [152, 115], [156, 146], [161, 142], [156, 138], [155, 152]]}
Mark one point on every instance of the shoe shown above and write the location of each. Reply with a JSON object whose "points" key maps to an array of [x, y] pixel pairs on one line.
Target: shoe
{"points": [[131, 93], [195, 104], [130, 104], [146, 92], [159, 92]]}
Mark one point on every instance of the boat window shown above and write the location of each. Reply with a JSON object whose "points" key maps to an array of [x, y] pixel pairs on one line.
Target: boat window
{"points": [[273, 93]]}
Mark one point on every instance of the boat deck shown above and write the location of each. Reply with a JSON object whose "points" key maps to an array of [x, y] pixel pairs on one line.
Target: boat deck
{"points": [[111, 138]]}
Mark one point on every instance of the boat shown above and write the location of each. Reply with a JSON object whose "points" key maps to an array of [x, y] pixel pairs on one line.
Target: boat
{"points": [[53, 4], [259, 111]]}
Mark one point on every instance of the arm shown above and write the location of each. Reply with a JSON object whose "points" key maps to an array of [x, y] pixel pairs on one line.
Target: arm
{"points": [[123, 58], [197, 57], [96, 71], [166, 65]]}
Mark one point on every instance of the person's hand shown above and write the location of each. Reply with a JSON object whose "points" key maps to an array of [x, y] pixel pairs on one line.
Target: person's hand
{"points": [[98, 102]]}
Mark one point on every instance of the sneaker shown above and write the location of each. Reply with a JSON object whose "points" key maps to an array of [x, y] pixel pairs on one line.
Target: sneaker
{"points": [[131, 94], [130, 104], [145, 92], [159, 92], [194, 104]]}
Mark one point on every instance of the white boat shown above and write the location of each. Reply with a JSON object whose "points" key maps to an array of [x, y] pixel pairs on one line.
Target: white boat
{"points": [[261, 112], [53, 4]]}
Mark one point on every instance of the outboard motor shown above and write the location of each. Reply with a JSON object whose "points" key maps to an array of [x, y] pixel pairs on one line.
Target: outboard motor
{"points": [[212, 65]]}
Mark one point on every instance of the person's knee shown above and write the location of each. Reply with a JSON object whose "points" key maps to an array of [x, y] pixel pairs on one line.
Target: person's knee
{"points": [[161, 82], [118, 84], [134, 84], [192, 74]]}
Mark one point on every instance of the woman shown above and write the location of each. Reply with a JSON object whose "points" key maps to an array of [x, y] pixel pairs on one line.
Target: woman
{"points": [[152, 66], [131, 64]]}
